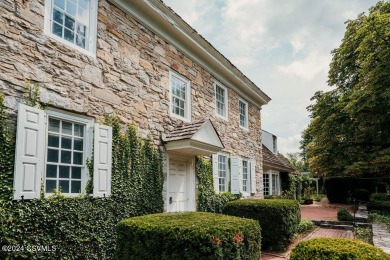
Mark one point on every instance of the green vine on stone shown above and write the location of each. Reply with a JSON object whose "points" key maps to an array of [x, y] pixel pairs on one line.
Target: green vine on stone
{"points": [[208, 200], [31, 94]]}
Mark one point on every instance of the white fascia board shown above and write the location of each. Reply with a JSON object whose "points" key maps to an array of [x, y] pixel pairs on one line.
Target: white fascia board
{"points": [[164, 22]]}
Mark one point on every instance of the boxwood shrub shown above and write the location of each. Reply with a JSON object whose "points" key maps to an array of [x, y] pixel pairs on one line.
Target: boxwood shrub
{"points": [[279, 219], [344, 215], [336, 248], [380, 196], [188, 235]]}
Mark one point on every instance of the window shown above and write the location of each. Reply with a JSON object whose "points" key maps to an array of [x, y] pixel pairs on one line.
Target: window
{"points": [[223, 173], [65, 157], [53, 146], [275, 184], [180, 97], [243, 107], [266, 184], [245, 176], [271, 183], [73, 22], [221, 101]]}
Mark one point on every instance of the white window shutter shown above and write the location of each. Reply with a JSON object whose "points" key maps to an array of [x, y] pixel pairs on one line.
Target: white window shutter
{"points": [[215, 173], [102, 161], [240, 174], [30, 153], [235, 172], [253, 176]]}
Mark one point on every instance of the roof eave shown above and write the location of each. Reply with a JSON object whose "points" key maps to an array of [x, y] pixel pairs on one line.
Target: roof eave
{"points": [[155, 15]]}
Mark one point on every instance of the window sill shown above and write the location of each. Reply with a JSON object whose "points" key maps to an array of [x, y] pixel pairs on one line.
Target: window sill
{"points": [[221, 117], [187, 120], [71, 45]]}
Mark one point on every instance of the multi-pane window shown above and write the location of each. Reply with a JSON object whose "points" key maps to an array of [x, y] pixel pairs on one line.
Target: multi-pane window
{"points": [[266, 184], [275, 184], [73, 22], [243, 107], [245, 176], [70, 21], [221, 101], [222, 173], [65, 156], [180, 96]]}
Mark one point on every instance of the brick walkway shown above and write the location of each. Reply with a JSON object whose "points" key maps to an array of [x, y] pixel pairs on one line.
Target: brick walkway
{"points": [[318, 232], [317, 211]]}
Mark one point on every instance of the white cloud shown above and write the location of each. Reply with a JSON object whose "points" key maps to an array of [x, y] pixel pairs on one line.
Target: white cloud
{"points": [[289, 144], [308, 67]]}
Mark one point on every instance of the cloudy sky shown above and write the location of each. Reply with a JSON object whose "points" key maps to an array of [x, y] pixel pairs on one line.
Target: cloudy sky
{"points": [[281, 45]]}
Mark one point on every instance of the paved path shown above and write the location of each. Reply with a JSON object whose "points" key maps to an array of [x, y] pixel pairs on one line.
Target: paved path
{"points": [[381, 237], [318, 232]]}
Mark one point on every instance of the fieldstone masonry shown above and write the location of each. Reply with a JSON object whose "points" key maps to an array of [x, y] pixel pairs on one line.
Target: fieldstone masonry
{"points": [[129, 76]]}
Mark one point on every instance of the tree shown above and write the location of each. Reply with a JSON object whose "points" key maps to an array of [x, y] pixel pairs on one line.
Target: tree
{"points": [[297, 162], [349, 132]]}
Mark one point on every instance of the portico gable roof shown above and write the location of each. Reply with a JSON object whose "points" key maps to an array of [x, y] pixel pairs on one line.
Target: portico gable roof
{"points": [[198, 138]]}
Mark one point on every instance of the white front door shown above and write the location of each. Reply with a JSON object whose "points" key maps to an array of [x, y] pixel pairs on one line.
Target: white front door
{"points": [[180, 186]]}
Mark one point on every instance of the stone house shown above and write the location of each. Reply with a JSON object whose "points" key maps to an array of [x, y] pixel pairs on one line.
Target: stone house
{"points": [[276, 168], [141, 61]]}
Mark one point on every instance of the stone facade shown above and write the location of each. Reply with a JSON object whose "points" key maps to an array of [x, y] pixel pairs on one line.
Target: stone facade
{"points": [[129, 76]]}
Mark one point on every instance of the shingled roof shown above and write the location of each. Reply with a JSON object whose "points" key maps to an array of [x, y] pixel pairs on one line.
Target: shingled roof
{"points": [[274, 160], [184, 131]]}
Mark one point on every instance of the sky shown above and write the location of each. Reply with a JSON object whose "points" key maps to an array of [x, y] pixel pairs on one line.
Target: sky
{"points": [[283, 46]]}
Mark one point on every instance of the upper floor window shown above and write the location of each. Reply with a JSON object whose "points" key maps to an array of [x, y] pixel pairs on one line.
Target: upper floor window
{"points": [[180, 97], [243, 109], [73, 22], [221, 101]]}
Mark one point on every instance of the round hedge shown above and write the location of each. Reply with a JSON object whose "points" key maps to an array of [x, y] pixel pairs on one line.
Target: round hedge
{"points": [[279, 219], [336, 248], [188, 235]]}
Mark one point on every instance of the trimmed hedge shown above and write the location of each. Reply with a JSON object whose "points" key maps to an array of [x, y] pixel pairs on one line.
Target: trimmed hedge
{"points": [[361, 194], [380, 196], [336, 248], [279, 219], [188, 235], [338, 188], [344, 215]]}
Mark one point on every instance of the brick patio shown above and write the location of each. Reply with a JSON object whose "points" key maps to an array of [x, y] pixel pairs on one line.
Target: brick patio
{"points": [[318, 232], [317, 211], [322, 210]]}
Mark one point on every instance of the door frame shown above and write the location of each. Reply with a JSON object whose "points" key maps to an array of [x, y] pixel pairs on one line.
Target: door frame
{"points": [[190, 180]]}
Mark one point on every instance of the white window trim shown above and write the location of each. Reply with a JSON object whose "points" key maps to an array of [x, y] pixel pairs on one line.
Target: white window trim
{"points": [[226, 117], [91, 37], [188, 97], [246, 114], [270, 182], [248, 192], [227, 178], [89, 123]]}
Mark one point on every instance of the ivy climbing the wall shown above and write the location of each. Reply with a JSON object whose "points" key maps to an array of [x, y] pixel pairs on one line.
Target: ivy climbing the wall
{"points": [[6, 154], [208, 200], [80, 227]]}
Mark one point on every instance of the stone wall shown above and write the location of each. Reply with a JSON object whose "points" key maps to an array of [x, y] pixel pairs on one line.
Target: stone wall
{"points": [[129, 76]]}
